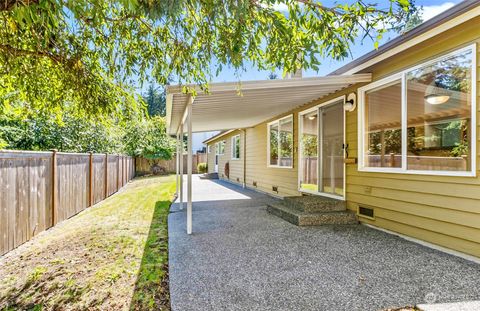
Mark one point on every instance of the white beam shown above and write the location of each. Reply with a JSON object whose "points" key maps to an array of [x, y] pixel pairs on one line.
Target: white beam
{"points": [[189, 165]]}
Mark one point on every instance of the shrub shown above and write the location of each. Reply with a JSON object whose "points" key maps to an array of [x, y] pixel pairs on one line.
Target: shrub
{"points": [[202, 167]]}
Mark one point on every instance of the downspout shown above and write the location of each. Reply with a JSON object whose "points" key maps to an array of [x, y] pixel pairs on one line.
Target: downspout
{"points": [[244, 158]]}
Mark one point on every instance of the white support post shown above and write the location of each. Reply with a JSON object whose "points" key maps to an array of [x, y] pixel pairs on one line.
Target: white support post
{"points": [[177, 167], [189, 166], [181, 166]]}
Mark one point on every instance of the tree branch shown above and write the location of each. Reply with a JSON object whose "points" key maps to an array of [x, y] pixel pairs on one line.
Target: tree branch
{"points": [[8, 5], [21, 52]]}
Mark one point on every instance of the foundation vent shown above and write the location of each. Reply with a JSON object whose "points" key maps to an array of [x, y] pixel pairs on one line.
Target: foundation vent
{"points": [[366, 212], [275, 189]]}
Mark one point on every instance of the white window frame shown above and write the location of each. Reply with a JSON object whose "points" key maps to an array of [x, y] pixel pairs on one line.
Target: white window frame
{"points": [[233, 147], [402, 77], [268, 143], [300, 148], [217, 148], [209, 148]]}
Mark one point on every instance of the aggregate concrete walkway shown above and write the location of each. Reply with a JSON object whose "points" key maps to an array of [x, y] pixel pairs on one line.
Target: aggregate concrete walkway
{"points": [[239, 257]]}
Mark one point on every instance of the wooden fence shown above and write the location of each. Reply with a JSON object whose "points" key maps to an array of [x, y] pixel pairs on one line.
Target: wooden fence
{"points": [[145, 166], [40, 189]]}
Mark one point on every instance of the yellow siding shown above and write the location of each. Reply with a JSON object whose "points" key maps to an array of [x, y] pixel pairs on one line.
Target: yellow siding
{"points": [[258, 171], [439, 209], [236, 165]]}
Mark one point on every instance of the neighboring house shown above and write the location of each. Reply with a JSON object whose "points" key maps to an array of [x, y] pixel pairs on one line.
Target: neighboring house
{"points": [[394, 133], [198, 138]]}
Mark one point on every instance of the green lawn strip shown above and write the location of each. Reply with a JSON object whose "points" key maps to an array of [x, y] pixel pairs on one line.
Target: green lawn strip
{"points": [[111, 256]]}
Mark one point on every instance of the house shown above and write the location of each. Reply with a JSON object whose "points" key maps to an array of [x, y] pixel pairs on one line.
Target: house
{"points": [[393, 133]]}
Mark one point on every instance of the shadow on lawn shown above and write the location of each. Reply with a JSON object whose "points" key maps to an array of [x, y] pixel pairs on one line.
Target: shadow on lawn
{"points": [[151, 288]]}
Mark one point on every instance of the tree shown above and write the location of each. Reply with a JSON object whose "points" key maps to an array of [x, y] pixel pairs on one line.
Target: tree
{"points": [[272, 76], [156, 101], [89, 53], [148, 139]]}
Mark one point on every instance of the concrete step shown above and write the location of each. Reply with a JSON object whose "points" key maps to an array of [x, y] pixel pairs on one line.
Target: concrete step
{"points": [[209, 176], [301, 218], [313, 203]]}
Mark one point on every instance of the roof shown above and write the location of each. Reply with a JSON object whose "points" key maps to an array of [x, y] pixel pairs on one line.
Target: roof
{"points": [[206, 141], [232, 105], [449, 15]]}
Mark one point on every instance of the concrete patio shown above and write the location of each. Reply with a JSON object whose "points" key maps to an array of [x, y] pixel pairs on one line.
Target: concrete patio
{"points": [[239, 257]]}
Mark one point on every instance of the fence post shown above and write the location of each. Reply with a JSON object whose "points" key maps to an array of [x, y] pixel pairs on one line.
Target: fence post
{"points": [[118, 172], [124, 171], [90, 189], [54, 186], [106, 175]]}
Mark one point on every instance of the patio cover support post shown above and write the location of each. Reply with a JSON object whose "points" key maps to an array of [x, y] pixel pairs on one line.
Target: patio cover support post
{"points": [[189, 165], [181, 166], [177, 166]]}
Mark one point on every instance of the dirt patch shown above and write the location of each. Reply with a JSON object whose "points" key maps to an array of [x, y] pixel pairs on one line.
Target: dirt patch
{"points": [[112, 256]]}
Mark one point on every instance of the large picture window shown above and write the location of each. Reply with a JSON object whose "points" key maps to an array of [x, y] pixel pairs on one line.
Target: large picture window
{"points": [[421, 120], [280, 142]]}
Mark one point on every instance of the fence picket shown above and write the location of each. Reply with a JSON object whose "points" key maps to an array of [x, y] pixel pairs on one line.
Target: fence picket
{"points": [[40, 189]]}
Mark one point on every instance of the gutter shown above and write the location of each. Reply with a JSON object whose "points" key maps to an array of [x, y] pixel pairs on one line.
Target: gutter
{"points": [[462, 8]]}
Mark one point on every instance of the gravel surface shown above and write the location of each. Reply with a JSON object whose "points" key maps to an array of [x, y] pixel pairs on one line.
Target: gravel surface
{"points": [[239, 257]]}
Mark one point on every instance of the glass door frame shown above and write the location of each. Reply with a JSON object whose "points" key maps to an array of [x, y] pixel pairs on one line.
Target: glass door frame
{"points": [[319, 163]]}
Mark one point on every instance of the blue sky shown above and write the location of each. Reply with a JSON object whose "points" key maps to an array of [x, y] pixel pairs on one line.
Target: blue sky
{"points": [[430, 9]]}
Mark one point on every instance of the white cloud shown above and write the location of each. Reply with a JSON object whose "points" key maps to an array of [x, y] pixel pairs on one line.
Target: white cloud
{"points": [[430, 11]]}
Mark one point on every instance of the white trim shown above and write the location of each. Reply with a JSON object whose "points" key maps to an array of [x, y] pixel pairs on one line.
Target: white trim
{"points": [[427, 244], [218, 136], [232, 148], [277, 121], [417, 40], [300, 148], [217, 148], [404, 105], [324, 194]]}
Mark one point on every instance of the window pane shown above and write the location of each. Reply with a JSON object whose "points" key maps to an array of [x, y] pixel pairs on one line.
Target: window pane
{"points": [[439, 115], [237, 147], [273, 144], [286, 142], [383, 134], [309, 156]]}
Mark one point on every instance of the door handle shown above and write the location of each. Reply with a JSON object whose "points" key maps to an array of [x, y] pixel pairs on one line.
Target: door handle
{"points": [[345, 148]]}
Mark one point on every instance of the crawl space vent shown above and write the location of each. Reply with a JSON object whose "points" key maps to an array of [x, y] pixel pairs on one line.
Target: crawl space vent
{"points": [[366, 211]]}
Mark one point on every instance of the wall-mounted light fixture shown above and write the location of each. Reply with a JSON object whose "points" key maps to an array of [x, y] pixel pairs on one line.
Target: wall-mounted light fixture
{"points": [[350, 103]]}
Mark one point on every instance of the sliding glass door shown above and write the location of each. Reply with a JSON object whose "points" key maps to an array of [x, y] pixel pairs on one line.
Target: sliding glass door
{"points": [[321, 157]]}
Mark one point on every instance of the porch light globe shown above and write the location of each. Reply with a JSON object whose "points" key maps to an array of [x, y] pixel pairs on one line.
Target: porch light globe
{"points": [[350, 103], [434, 99], [348, 106]]}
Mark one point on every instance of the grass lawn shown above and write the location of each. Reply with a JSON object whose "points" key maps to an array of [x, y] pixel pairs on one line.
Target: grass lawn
{"points": [[112, 256]]}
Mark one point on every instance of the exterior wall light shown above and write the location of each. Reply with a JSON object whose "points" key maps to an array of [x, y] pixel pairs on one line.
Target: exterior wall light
{"points": [[350, 103]]}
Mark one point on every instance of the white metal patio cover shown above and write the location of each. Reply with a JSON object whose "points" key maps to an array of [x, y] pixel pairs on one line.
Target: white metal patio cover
{"points": [[233, 105]]}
